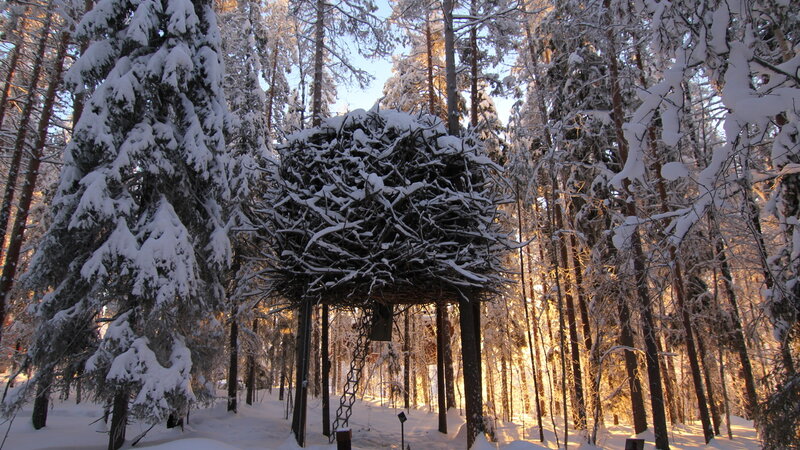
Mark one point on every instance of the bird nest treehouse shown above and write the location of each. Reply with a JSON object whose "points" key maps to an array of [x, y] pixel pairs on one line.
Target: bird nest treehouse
{"points": [[380, 208]]}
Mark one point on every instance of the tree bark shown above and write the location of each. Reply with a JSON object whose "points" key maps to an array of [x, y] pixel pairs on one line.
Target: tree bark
{"points": [[22, 134], [704, 360], [271, 96], [472, 372], [233, 367], [303, 356], [406, 361], [80, 98], [504, 385], [119, 420], [579, 409], [42, 401], [631, 366], [440, 363], [556, 270], [251, 370], [739, 343], [473, 63], [284, 363], [678, 287], [319, 59], [429, 61], [449, 375], [725, 392], [450, 68], [326, 373], [13, 60], [639, 268], [29, 184]]}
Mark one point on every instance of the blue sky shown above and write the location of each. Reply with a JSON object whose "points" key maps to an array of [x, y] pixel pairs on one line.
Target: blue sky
{"points": [[351, 96]]}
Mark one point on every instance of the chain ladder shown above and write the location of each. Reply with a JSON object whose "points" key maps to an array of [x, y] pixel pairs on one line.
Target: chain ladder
{"points": [[345, 409]]}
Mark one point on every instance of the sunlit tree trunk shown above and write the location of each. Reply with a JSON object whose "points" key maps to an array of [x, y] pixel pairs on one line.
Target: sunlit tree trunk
{"points": [[31, 103], [13, 60], [532, 347], [639, 268], [739, 343], [579, 407]]}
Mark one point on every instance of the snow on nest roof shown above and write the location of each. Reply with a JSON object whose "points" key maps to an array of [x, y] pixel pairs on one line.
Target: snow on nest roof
{"points": [[385, 206]]}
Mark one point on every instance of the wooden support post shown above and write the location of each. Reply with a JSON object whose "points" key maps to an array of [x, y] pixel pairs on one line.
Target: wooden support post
{"points": [[344, 439], [303, 354], [440, 378], [473, 395], [326, 374]]}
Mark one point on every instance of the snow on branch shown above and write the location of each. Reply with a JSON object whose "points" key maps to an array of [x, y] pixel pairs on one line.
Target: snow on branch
{"points": [[383, 206]]}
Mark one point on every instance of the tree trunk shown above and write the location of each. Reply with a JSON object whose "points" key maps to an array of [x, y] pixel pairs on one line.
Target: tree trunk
{"points": [[579, 409], [303, 356], [429, 61], [704, 360], [631, 366], [22, 134], [274, 345], [233, 367], [639, 268], [80, 98], [554, 261], [316, 347], [535, 365], [251, 370], [473, 45], [406, 361], [678, 287], [326, 374], [440, 363], [284, 363], [42, 401], [29, 184], [591, 367], [450, 68], [534, 352], [119, 420], [725, 392], [670, 391], [271, 96], [504, 385], [319, 59], [472, 372], [13, 60], [449, 375], [739, 343]]}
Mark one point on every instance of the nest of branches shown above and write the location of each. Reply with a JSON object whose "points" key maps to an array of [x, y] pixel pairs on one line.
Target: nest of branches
{"points": [[384, 207]]}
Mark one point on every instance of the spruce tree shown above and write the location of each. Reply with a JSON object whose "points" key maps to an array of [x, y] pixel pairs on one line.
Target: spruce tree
{"points": [[139, 235]]}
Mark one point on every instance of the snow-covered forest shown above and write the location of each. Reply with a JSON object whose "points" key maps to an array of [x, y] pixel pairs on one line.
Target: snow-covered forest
{"points": [[193, 232]]}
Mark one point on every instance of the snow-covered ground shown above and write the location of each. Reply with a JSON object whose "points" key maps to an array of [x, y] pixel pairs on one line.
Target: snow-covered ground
{"points": [[263, 426]]}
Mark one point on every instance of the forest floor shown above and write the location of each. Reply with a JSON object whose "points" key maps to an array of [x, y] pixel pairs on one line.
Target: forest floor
{"points": [[262, 426]]}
